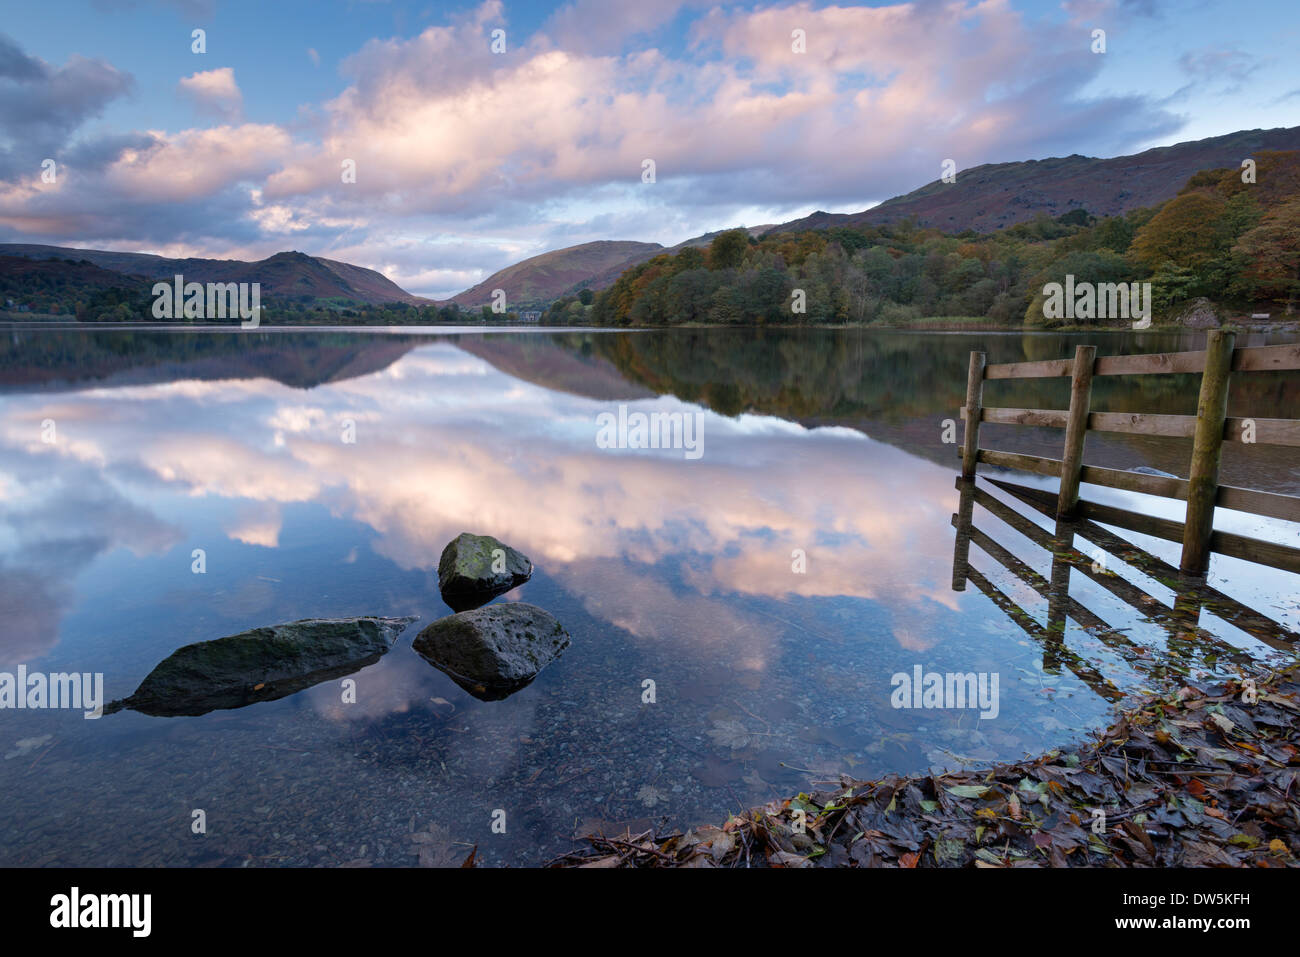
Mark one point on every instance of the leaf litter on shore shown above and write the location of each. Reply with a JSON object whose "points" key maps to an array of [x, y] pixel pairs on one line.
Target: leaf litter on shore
{"points": [[1202, 776]]}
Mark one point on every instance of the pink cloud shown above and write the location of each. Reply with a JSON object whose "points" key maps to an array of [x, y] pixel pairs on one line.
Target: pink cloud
{"points": [[214, 92]]}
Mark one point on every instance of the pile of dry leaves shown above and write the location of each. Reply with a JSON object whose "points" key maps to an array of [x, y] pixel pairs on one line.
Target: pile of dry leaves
{"points": [[1200, 777]]}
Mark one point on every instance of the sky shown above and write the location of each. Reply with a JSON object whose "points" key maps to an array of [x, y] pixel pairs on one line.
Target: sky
{"points": [[474, 149]]}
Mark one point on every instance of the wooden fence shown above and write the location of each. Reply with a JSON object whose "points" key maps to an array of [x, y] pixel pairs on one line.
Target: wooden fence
{"points": [[1180, 619], [1208, 429]]}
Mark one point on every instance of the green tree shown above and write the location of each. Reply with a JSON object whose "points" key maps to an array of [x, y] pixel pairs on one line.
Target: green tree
{"points": [[727, 251]]}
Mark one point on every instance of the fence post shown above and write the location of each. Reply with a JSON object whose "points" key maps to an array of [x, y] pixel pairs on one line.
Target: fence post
{"points": [[974, 403], [1076, 430], [1207, 449]]}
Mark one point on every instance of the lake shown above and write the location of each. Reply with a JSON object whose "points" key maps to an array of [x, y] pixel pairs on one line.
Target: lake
{"points": [[736, 617]]}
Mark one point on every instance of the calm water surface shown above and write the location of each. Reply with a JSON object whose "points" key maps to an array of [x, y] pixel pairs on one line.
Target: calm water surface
{"points": [[662, 568]]}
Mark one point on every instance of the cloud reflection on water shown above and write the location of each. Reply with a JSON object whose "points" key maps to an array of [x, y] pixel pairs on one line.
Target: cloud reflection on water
{"points": [[445, 443]]}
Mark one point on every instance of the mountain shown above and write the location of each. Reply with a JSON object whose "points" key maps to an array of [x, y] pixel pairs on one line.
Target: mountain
{"points": [[287, 274], [984, 198], [542, 279], [39, 283], [566, 272], [996, 195]]}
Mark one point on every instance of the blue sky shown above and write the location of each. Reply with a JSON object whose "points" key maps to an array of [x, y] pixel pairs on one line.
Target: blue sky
{"points": [[468, 160]]}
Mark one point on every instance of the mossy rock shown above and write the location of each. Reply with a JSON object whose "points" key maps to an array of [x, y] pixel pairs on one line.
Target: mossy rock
{"points": [[261, 665], [474, 569], [493, 651]]}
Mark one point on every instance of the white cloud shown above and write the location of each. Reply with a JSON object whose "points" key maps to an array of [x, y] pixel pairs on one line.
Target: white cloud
{"points": [[214, 92]]}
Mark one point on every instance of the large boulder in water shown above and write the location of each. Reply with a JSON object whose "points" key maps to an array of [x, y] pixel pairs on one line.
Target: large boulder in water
{"points": [[493, 651], [474, 569], [261, 665]]}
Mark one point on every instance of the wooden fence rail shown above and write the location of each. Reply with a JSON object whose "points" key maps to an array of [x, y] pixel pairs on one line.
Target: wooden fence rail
{"points": [[1208, 430]]}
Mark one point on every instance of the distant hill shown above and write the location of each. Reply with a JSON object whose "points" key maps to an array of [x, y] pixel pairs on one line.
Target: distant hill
{"points": [[701, 242], [606, 278], [54, 285], [287, 274], [539, 280], [566, 272], [997, 195]]}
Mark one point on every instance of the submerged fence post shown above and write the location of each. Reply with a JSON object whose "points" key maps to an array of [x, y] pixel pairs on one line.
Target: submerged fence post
{"points": [[974, 402], [1058, 598], [961, 543], [1207, 449], [1076, 430]]}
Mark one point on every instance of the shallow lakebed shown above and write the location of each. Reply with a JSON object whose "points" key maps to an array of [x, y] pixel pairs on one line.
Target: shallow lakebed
{"points": [[736, 617]]}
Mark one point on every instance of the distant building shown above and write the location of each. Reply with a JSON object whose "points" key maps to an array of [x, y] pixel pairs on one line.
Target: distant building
{"points": [[530, 316]]}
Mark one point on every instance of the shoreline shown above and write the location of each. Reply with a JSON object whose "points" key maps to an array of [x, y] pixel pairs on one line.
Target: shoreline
{"points": [[935, 325], [1197, 777]]}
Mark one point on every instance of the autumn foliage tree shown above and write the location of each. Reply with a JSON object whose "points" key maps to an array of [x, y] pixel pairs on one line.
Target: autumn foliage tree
{"points": [[1186, 231], [1269, 256]]}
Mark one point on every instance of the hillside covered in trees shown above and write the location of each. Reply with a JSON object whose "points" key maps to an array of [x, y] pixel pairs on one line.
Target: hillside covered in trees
{"points": [[1223, 237]]}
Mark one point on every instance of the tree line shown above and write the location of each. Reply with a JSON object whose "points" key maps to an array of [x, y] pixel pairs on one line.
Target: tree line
{"points": [[1232, 236]]}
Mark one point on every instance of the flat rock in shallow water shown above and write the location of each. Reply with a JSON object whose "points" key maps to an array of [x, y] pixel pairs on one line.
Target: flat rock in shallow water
{"points": [[494, 651], [261, 665], [474, 569]]}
